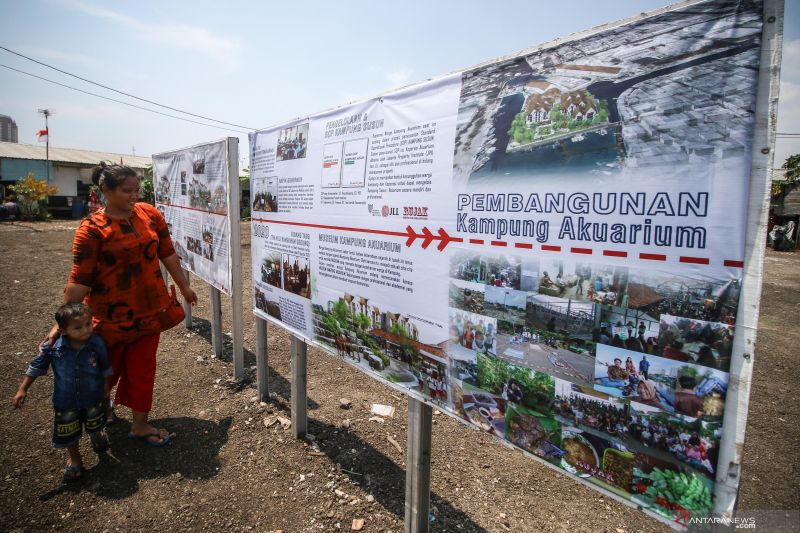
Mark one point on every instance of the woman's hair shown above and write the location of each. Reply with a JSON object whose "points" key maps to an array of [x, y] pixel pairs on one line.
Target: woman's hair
{"points": [[111, 176]]}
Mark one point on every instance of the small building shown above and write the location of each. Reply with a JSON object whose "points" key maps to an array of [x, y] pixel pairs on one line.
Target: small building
{"points": [[70, 170]]}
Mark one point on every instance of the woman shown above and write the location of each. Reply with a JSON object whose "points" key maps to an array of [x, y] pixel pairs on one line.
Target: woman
{"points": [[116, 253], [648, 394], [629, 368]]}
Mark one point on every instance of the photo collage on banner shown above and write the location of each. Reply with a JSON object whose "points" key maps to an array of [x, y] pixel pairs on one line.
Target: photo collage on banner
{"points": [[191, 191], [540, 246], [330, 193]]}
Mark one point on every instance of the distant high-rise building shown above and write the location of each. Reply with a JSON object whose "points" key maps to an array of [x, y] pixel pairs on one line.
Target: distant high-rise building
{"points": [[8, 129]]}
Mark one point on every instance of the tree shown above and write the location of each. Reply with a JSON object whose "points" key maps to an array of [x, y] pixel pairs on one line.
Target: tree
{"points": [[362, 321], [489, 378], [792, 167], [31, 196], [555, 113], [332, 324], [341, 312], [146, 193], [792, 176], [398, 330]]}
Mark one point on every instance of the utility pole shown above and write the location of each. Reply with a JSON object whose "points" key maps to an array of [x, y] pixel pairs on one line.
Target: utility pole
{"points": [[47, 113]]}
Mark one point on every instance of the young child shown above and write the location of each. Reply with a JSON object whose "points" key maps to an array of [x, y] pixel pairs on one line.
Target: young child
{"points": [[80, 368]]}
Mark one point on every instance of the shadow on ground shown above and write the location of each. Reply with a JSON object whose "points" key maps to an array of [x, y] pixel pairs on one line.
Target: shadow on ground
{"points": [[277, 383], [379, 475], [194, 454]]}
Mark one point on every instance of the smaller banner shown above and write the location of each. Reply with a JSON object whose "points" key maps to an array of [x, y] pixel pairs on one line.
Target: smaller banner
{"points": [[191, 190]]}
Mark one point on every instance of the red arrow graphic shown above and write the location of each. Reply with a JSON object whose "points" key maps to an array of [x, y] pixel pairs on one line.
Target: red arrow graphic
{"points": [[411, 236], [446, 239], [427, 236]]}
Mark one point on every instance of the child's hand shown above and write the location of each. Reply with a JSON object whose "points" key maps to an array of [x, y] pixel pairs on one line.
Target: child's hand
{"points": [[19, 399]]}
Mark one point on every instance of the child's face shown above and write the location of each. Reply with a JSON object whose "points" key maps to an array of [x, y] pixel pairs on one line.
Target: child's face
{"points": [[79, 329]]}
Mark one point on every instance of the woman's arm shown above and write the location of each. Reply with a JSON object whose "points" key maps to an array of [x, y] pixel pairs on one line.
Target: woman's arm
{"points": [[73, 293], [173, 264]]}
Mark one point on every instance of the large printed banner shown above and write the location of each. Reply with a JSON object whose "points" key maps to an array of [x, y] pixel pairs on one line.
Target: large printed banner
{"points": [[191, 189], [549, 247]]}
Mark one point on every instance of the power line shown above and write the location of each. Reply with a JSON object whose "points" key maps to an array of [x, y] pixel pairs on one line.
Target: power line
{"points": [[123, 92], [120, 101]]}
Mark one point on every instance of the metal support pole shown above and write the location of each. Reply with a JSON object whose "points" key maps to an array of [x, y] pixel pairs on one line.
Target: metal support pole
{"points": [[47, 142], [299, 397], [187, 307], [418, 467], [216, 320], [237, 291], [262, 360]]}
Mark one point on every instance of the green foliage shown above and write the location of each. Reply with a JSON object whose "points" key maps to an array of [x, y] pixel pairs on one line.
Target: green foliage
{"points": [[520, 132], [245, 213], [332, 325], [362, 321], [792, 167], [556, 115], [538, 388], [391, 378], [398, 330], [409, 351], [32, 196], [369, 341], [342, 312], [146, 189]]}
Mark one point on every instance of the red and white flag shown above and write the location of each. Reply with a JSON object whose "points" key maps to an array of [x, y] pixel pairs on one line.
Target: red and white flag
{"points": [[42, 134]]}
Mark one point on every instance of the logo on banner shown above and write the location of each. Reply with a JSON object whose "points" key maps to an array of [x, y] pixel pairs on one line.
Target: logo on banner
{"points": [[389, 211], [415, 212]]}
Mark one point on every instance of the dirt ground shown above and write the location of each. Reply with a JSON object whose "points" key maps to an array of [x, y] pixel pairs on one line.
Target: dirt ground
{"points": [[227, 471]]}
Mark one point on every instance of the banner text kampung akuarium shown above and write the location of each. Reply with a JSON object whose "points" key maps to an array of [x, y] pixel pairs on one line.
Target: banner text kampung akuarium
{"points": [[666, 204]]}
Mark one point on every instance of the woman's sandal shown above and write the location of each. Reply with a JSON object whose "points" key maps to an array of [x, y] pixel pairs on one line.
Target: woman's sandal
{"points": [[73, 473], [147, 438]]}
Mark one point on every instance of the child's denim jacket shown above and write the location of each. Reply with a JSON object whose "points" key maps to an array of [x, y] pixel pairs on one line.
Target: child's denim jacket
{"points": [[79, 375]]}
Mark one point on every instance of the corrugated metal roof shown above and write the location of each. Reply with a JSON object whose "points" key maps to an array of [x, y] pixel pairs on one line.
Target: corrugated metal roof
{"points": [[70, 155], [778, 174]]}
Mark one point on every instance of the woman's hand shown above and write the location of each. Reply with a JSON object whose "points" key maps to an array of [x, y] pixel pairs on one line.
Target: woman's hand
{"points": [[53, 336], [188, 295]]}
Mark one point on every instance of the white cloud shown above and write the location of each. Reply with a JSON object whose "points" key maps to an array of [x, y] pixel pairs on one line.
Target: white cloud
{"points": [[223, 50], [38, 52], [399, 77]]}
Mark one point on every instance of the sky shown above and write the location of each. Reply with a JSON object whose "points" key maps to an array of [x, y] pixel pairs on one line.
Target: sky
{"points": [[257, 64]]}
